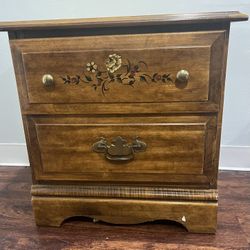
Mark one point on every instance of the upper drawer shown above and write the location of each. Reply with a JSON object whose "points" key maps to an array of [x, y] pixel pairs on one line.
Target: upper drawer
{"points": [[167, 67]]}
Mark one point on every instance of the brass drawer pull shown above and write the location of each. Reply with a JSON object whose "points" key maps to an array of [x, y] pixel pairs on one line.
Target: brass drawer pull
{"points": [[119, 149], [48, 80], [182, 75]]}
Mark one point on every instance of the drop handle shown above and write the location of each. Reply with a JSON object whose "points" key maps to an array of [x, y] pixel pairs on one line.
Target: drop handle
{"points": [[119, 149], [48, 80], [182, 76]]}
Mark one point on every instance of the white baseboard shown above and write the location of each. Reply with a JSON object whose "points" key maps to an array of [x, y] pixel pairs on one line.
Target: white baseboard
{"points": [[235, 158], [231, 157], [13, 154]]}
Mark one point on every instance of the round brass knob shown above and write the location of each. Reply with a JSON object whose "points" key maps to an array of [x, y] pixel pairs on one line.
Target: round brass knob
{"points": [[182, 75], [48, 80]]}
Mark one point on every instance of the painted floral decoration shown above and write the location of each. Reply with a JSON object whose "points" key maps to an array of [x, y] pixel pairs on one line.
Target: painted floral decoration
{"points": [[117, 71], [113, 63], [92, 67]]}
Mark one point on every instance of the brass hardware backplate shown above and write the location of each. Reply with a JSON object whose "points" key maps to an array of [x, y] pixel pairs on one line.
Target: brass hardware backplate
{"points": [[119, 149]]}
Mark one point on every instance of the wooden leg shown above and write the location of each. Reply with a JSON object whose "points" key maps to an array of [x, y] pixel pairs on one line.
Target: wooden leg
{"points": [[197, 217]]}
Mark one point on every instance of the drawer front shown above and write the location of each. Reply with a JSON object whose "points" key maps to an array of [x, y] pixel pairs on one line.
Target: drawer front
{"points": [[168, 67], [168, 150]]}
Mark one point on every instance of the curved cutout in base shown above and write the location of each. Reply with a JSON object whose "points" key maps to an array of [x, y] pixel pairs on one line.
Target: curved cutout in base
{"points": [[197, 217], [94, 220]]}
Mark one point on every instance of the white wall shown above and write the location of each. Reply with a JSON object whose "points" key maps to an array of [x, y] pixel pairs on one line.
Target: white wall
{"points": [[236, 126]]}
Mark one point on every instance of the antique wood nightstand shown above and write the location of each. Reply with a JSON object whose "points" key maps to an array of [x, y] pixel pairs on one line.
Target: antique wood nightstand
{"points": [[123, 115]]}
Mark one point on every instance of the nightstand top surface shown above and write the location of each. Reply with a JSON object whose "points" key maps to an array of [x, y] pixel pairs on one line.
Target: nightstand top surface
{"points": [[163, 19]]}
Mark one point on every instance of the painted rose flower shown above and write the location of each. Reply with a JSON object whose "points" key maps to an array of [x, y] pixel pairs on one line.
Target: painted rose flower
{"points": [[91, 67], [113, 63]]}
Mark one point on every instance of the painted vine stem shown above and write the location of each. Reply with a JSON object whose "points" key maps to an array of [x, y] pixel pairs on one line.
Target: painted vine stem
{"points": [[116, 72]]}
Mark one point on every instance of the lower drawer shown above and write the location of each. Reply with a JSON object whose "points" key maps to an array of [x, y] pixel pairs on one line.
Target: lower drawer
{"points": [[163, 150]]}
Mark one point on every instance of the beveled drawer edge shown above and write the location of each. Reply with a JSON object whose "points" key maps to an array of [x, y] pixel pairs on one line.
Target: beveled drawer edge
{"points": [[132, 192], [28, 103]]}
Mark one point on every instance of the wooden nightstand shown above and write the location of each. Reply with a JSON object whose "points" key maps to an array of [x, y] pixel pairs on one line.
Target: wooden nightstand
{"points": [[123, 115]]}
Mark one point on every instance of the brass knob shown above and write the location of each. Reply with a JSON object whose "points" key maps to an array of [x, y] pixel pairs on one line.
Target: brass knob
{"points": [[182, 75], [48, 80]]}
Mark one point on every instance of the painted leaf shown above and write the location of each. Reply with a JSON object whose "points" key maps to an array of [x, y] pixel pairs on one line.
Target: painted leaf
{"points": [[88, 78], [119, 80], [143, 79]]}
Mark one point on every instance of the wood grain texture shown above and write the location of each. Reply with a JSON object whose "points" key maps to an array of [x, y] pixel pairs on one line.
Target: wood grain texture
{"points": [[18, 230], [118, 109], [129, 192], [196, 217], [77, 93], [164, 54], [227, 16], [184, 147], [122, 30], [180, 123]]}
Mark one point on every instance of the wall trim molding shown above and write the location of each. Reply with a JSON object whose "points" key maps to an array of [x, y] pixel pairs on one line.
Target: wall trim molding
{"points": [[234, 157], [231, 157], [13, 154]]}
